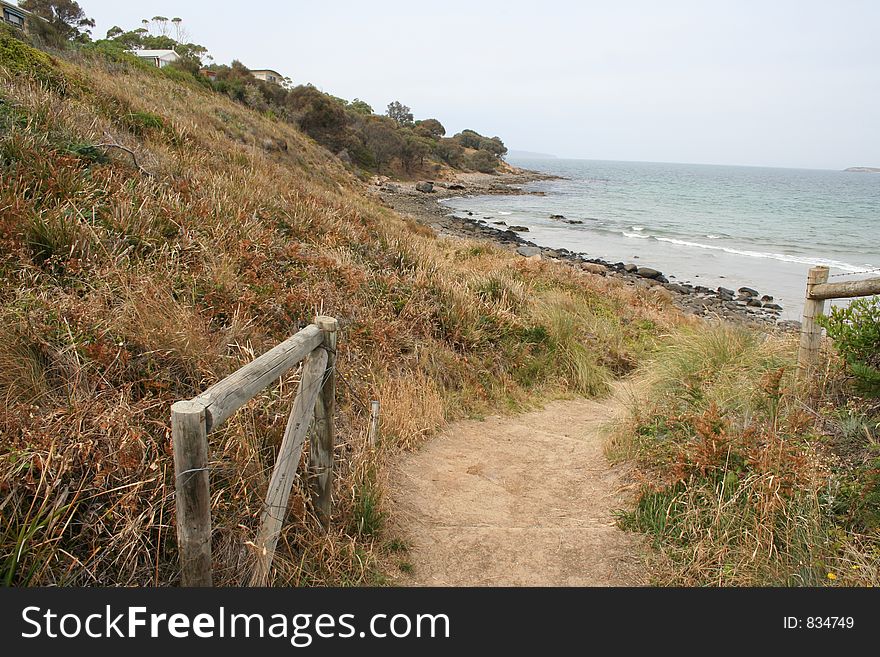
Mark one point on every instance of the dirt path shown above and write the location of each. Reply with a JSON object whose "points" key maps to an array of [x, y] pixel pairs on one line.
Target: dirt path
{"points": [[517, 501]]}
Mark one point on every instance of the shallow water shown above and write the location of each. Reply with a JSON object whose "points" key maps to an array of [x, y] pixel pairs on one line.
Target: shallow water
{"points": [[703, 224]]}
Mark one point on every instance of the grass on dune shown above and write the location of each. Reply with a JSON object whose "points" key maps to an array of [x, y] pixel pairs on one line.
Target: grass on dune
{"points": [[743, 483], [121, 292]]}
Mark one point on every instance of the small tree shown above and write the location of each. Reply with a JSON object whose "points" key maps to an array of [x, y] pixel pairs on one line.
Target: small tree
{"points": [[382, 140], [469, 139], [360, 106], [400, 113], [430, 128], [65, 21]]}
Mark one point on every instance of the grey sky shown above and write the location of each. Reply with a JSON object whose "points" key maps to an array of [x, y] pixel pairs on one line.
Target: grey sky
{"points": [[777, 82]]}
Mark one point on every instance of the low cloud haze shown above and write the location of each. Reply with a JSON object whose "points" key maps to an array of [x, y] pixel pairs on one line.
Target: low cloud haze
{"points": [[779, 84]]}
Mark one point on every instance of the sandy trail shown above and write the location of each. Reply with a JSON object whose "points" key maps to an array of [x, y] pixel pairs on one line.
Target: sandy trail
{"points": [[518, 501]]}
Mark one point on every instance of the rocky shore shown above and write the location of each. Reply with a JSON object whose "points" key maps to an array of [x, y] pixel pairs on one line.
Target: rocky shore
{"points": [[419, 200]]}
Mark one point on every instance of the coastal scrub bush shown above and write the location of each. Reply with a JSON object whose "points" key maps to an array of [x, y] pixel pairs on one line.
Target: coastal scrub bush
{"points": [[18, 58], [855, 331], [483, 162]]}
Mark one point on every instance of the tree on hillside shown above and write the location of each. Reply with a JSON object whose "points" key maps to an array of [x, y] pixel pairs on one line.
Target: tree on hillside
{"points": [[382, 140], [430, 128], [400, 113], [192, 55], [66, 21], [360, 106], [161, 23]]}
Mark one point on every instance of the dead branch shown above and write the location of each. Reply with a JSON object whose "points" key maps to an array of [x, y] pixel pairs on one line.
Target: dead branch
{"points": [[109, 142]]}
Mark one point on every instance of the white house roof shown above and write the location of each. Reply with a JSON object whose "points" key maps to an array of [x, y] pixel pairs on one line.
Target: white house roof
{"points": [[161, 54]]}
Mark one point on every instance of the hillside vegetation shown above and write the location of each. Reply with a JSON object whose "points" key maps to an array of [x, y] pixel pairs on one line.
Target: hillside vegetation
{"points": [[365, 142], [155, 235], [136, 276], [750, 476]]}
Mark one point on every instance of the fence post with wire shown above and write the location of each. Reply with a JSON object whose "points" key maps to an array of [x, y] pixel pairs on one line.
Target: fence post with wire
{"points": [[818, 291], [192, 420]]}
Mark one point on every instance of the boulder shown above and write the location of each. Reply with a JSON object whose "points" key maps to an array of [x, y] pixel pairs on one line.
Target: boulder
{"points": [[754, 303], [766, 299], [573, 222], [391, 188], [747, 291], [772, 306], [425, 187], [529, 251], [550, 253], [630, 268], [725, 294], [500, 223], [518, 229], [557, 216], [594, 268], [454, 186], [648, 272], [675, 287]]}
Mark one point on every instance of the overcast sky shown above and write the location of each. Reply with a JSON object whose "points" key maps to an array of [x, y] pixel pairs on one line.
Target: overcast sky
{"points": [[772, 82]]}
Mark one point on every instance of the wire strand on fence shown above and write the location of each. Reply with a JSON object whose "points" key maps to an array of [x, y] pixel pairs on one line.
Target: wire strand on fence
{"points": [[856, 273]]}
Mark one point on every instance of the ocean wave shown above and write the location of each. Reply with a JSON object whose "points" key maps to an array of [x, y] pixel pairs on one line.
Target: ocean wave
{"points": [[638, 229], [641, 236], [805, 260], [713, 237], [505, 214]]}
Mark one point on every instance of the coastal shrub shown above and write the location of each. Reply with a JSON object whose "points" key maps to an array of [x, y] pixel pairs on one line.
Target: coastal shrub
{"points": [[142, 122], [483, 162], [18, 58], [855, 332]]}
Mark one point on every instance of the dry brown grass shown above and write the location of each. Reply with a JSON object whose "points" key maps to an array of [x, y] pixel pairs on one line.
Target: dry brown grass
{"points": [[741, 485], [121, 293]]}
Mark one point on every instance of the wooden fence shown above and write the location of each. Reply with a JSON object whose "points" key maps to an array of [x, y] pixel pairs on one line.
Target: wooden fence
{"points": [[818, 291], [192, 420]]}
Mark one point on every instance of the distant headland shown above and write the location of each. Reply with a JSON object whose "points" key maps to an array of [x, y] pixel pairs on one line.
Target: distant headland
{"points": [[863, 169]]}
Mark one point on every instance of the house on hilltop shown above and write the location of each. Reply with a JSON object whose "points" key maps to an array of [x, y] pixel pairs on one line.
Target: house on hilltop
{"points": [[14, 15], [267, 75], [158, 58]]}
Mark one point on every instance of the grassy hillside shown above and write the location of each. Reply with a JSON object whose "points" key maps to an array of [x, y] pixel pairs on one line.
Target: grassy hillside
{"points": [[129, 280]]}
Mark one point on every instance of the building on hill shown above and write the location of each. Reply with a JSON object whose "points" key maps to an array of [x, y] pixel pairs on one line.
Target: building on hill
{"points": [[267, 75], [158, 58], [15, 16], [209, 73]]}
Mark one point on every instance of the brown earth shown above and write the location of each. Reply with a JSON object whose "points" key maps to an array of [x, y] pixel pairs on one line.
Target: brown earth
{"points": [[526, 500]]}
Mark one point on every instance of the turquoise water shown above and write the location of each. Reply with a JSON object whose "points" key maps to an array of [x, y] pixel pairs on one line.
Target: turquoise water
{"points": [[704, 224]]}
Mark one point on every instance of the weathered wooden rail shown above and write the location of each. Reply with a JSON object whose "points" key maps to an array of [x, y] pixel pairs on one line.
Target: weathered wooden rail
{"points": [[820, 290], [192, 420]]}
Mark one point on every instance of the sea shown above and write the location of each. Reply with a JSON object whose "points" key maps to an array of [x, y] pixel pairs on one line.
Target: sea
{"points": [[729, 226]]}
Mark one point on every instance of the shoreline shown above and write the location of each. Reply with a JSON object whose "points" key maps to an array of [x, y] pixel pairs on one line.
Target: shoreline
{"points": [[424, 206]]}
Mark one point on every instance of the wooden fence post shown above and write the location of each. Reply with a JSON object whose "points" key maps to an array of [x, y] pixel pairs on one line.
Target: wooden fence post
{"points": [[374, 423], [190, 439], [322, 445], [287, 463], [811, 332]]}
